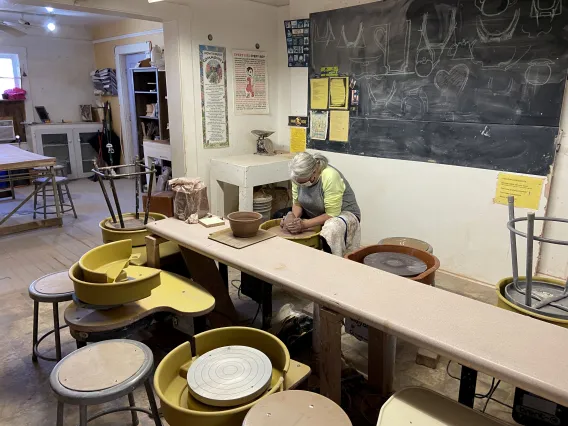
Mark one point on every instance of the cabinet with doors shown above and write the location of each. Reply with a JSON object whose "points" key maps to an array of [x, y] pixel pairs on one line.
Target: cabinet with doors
{"points": [[68, 143]]}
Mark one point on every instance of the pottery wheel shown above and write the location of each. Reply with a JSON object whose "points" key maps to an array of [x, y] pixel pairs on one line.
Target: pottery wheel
{"points": [[400, 264], [285, 234], [130, 223], [229, 376]]}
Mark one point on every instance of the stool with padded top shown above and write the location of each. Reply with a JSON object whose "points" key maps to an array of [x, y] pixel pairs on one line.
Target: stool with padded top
{"points": [[103, 372], [424, 407], [53, 288]]}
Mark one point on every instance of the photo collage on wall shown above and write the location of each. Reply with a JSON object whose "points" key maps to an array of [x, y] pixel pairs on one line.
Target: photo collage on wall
{"points": [[298, 42]]}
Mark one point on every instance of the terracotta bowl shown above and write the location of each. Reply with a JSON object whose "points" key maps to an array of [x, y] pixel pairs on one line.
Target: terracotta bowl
{"points": [[245, 224]]}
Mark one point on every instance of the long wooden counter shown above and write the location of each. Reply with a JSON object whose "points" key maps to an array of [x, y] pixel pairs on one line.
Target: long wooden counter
{"points": [[517, 349]]}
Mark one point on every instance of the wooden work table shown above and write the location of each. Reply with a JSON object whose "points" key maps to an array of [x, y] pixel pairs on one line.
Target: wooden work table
{"points": [[13, 158], [518, 349]]}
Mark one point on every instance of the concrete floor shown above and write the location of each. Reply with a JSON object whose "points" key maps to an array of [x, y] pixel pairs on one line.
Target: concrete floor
{"points": [[25, 394]]}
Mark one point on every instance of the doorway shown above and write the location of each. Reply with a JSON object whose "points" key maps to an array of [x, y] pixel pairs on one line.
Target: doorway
{"points": [[126, 58]]}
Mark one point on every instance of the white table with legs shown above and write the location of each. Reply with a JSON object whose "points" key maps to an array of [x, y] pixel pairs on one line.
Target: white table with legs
{"points": [[246, 172]]}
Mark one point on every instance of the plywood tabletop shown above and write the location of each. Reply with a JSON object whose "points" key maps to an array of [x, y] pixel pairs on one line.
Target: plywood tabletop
{"points": [[249, 160], [517, 349], [12, 158]]}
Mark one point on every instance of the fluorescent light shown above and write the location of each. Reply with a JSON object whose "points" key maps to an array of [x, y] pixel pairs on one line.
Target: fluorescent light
{"points": [[49, 9], [51, 26]]}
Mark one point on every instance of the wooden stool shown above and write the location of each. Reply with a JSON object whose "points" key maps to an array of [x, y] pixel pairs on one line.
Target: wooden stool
{"points": [[423, 407], [52, 288], [296, 408], [62, 182], [104, 372]]}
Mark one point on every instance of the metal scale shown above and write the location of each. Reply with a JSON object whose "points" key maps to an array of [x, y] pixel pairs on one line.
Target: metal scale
{"points": [[539, 297]]}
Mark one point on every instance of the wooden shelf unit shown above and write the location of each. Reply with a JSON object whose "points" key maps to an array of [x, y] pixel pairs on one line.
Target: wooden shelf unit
{"points": [[150, 88]]}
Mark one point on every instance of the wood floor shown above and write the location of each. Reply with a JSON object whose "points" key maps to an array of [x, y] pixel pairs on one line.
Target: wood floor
{"points": [[25, 394]]}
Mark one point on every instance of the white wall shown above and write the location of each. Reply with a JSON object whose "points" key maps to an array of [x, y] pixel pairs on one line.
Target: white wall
{"points": [[58, 70], [450, 207]]}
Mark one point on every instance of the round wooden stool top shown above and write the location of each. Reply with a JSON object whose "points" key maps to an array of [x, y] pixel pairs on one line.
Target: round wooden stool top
{"points": [[101, 366], [56, 287], [296, 408], [229, 376]]}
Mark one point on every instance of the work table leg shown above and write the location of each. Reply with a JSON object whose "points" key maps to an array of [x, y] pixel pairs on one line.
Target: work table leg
{"points": [[468, 383], [203, 271], [330, 356], [382, 354], [245, 198]]}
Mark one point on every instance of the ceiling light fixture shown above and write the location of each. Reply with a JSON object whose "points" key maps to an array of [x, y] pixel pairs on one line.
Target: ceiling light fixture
{"points": [[49, 9], [51, 27]]}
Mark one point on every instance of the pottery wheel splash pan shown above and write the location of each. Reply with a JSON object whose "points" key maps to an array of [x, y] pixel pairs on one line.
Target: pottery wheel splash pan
{"points": [[540, 292], [400, 264], [130, 223], [229, 376]]}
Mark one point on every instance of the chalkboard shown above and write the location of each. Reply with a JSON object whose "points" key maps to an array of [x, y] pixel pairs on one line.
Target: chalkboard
{"points": [[469, 83]]}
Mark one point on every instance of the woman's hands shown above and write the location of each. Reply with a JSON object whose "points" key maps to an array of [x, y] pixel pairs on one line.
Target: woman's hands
{"points": [[296, 226]]}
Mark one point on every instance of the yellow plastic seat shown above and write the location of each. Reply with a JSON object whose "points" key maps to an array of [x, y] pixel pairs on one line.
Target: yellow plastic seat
{"points": [[424, 407], [170, 382], [139, 285]]}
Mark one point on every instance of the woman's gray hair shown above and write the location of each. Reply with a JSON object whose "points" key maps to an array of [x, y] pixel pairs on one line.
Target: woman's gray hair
{"points": [[304, 164]]}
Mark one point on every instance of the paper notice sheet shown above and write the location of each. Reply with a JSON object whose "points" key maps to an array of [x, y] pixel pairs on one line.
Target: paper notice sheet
{"points": [[319, 93], [298, 139], [339, 93], [318, 125], [339, 126]]}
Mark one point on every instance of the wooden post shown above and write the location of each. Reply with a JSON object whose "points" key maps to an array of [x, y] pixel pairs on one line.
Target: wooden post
{"points": [[204, 271], [382, 353], [330, 356], [152, 251]]}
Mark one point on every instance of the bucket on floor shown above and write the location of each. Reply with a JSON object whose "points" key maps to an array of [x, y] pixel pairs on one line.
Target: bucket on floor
{"points": [[407, 242], [262, 203]]}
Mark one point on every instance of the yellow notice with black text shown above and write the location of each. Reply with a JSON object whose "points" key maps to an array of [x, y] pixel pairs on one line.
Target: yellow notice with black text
{"points": [[525, 189]]}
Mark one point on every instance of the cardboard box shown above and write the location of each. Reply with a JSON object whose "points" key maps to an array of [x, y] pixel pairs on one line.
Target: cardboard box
{"points": [[161, 202]]}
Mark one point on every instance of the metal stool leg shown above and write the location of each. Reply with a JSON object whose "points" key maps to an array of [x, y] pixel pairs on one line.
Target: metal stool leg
{"points": [[71, 201], [83, 415], [56, 332], [152, 401], [35, 325], [44, 204], [60, 408], [60, 193], [133, 413], [35, 201]]}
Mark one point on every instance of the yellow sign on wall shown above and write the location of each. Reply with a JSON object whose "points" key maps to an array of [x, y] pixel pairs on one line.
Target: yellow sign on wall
{"points": [[298, 139], [525, 189]]}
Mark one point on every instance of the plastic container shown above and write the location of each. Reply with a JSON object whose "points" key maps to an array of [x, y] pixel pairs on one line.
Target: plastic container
{"points": [[407, 242], [262, 204]]}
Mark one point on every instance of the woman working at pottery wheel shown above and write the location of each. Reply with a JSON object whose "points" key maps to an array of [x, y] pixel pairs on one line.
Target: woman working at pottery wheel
{"points": [[322, 196]]}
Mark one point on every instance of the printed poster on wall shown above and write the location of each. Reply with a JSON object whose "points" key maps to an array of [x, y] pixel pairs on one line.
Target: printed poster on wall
{"points": [[213, 65], [251, 82]]}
